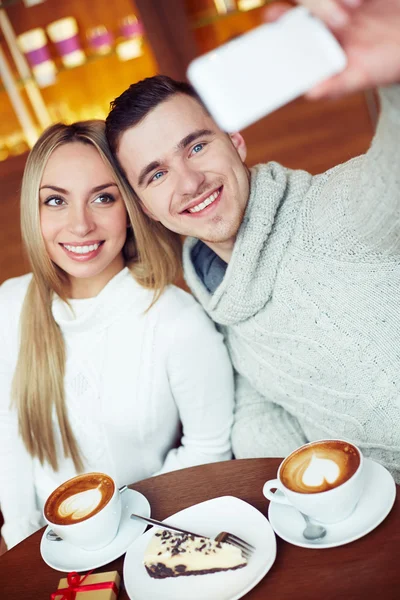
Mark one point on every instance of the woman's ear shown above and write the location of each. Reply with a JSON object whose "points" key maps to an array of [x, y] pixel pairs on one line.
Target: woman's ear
{"points": [[240, 144]]}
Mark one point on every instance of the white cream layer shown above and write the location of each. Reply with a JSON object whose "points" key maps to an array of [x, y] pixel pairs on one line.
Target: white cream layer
{"points": [[199, 554]]}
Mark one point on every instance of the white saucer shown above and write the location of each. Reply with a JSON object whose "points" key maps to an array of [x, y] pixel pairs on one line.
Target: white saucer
{"points": [[375, 504], [220, 514], [65, 557]]}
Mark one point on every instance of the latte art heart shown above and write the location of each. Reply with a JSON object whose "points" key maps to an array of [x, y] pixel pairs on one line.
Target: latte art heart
{"points": [[80, 505], [319, 466], [320, 470], [79, 498]]}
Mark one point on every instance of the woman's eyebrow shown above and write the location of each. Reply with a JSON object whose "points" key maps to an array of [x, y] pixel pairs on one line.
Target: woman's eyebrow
{"points": [[97, 188], [53, 187], [103, 186]]}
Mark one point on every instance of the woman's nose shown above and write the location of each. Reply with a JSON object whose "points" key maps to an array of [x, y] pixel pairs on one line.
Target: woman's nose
{"points": [[80, 222]]}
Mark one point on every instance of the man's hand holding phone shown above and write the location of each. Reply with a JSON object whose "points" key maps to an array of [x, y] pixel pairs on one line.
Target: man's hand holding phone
{"points": [[245, 79], [368, 31]]}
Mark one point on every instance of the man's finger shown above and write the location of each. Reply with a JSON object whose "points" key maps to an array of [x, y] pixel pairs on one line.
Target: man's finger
{"points": [[334, 13], [276, 10], [353, 3], [350, 81], [331, 12]]}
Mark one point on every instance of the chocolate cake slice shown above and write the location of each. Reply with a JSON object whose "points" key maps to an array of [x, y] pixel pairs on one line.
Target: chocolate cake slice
{"points": [[174, 554]]}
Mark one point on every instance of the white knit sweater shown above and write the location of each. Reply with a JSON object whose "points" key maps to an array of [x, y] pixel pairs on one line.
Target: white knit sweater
{"points": [[130, 379], [310, 304]]}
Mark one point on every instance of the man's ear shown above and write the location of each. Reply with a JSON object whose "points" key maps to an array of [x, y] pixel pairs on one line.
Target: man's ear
{"points": [[240, 144], [147, 211]]}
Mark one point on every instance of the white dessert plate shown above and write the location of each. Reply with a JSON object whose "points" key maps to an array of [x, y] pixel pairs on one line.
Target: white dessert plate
{"points": [[65, 557], [374, 506], [220, 514]]}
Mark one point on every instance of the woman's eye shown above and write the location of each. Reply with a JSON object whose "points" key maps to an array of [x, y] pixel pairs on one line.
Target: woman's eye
{"points": [[197, 148], [55, 201], [104, 199]]}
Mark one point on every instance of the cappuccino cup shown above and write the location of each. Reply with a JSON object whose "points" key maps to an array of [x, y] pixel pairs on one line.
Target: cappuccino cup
{"points": [[85, 511], [322, 479]]}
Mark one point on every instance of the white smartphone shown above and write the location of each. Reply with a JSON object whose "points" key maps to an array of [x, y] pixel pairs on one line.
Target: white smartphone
{"points": [[256, 73]]}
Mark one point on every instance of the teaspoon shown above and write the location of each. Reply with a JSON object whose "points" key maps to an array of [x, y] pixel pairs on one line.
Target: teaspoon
{"points": [[312, 531]]}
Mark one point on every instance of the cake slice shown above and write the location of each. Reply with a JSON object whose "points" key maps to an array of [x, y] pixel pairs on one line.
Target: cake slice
{"points": [[174, 554]]}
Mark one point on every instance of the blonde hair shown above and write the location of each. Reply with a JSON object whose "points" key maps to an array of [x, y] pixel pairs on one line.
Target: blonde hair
{"points": [[152, 253]]}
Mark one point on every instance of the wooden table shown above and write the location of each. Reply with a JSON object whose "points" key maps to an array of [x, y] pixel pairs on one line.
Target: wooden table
{"points": [[365, 569]]}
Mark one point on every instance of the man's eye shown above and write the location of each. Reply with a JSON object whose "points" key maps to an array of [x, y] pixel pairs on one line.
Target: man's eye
{"points": [[55, 201], [197, 148], [104, 199], [157, 175]]}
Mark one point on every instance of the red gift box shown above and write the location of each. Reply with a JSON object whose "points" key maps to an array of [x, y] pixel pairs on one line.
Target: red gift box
{"points": [[97, 586]]}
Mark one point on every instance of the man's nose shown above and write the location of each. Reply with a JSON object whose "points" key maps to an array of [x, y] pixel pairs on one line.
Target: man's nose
{"points": [[189, 180], [80, 221]]}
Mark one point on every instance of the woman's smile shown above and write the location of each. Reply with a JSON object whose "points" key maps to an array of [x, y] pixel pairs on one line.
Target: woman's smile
{"points": [[83, 251]]}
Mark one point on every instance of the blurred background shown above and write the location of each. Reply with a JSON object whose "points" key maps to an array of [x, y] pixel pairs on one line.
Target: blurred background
{"points": [[66, 61]]}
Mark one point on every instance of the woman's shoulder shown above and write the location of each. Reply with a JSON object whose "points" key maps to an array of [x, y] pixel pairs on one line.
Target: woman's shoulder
{"points": [[178, 308], [12, 294], [14, 289], [176, 300]]}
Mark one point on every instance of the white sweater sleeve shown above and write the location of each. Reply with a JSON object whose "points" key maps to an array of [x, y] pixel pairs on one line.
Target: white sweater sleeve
{"points": [[262, 428], [17, 494], [201, 379]]}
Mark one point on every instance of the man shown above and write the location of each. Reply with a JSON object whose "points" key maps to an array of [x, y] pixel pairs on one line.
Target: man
{"points": [[301, 273]]}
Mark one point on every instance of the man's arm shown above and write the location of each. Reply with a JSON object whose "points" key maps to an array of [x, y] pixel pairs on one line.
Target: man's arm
{"points": [[262, 428], [373, 202]]}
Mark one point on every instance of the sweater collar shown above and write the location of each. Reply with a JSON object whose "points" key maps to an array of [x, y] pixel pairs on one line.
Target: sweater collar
{"points": [[261, 241], [121, 293]]}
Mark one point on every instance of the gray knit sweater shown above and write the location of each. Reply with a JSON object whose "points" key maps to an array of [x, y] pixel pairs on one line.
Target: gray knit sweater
{"points": [[310, 303]]}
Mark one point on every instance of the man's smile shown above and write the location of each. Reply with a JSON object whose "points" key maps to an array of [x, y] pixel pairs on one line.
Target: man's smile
{"points": [[199, 205]]}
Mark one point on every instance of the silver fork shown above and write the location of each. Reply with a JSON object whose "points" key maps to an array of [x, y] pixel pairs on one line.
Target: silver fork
{"points": [[224, 536]]}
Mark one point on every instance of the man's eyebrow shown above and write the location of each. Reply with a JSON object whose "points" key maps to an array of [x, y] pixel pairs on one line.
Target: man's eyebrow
{"points": [[186, 141], [191, 137], [97, 188], [146, 170]]}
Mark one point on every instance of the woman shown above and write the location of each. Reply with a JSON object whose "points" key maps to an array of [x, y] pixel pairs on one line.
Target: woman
{"points": [[101, 357]]}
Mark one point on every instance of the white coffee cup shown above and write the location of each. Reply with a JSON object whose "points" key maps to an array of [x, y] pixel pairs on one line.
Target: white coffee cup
{"points": [[322, 479], [85, 511]]}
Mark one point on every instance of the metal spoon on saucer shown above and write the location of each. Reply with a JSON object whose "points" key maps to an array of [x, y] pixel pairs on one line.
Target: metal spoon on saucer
{"points": [[53, 537], [312, 531]]}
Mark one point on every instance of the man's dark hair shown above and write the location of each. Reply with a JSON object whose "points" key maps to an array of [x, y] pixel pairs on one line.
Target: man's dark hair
{"points": [[138, 100]]}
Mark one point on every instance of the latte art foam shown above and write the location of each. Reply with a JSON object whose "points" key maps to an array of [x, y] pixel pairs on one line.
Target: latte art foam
{"points": [[79, 498], [319, 470], [80, 505], [319, 467]]}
